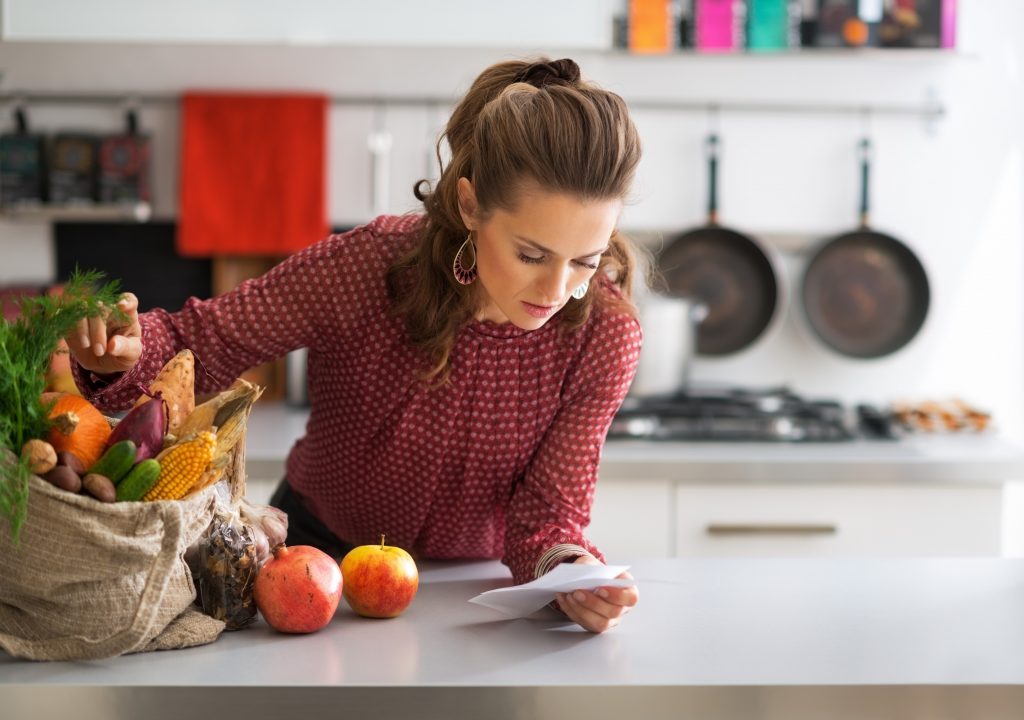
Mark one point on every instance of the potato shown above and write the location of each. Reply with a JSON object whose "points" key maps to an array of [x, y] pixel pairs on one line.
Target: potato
{"points": [[100, 487], [65, 457], [65, 478]]}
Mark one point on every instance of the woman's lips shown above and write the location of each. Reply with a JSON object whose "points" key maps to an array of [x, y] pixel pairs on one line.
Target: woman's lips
{"points": [[539, 311]]}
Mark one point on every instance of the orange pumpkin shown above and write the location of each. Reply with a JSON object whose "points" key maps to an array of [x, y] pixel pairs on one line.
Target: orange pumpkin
{"points": [[79, 428]]}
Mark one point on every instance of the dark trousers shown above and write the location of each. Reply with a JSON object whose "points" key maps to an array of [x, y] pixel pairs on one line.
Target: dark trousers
{"points": [[304, 528]]}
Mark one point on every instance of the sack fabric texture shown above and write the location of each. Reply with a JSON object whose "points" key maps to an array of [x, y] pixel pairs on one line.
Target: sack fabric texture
{"points": [[94, 580]]}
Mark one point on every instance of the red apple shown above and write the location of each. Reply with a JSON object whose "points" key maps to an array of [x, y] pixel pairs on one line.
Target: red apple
{"points": [[298, 589], [380, 580]]}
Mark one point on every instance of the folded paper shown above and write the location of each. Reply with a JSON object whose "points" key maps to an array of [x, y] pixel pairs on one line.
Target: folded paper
{"points": [[528, 598]]}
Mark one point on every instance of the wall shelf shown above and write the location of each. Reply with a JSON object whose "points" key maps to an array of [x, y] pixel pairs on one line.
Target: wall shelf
{"points": [[807, 53], [77, 213], [930, 110]]}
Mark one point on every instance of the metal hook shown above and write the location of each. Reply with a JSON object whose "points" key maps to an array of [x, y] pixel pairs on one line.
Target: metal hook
{"points": [[712, 146], [934, 111], [20, 121], [713, 117], [131, 115], [866, 117]]}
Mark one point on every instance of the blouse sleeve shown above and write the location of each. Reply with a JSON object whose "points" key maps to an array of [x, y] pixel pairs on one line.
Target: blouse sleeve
{"points": [[308, 297], [550, 508]]}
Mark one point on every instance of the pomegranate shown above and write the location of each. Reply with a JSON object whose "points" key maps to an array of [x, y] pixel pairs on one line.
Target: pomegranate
{"points": [[298, 589]]}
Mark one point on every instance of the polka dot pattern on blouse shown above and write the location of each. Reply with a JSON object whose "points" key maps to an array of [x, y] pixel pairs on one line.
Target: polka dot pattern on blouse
{"points": [[499, 463]]}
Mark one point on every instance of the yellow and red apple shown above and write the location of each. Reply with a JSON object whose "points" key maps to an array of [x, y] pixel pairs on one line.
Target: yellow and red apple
{"points": [[379, 581]]}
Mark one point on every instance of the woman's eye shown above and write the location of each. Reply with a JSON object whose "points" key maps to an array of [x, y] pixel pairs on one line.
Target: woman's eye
{"points": [[530, 260], [588, 266]]}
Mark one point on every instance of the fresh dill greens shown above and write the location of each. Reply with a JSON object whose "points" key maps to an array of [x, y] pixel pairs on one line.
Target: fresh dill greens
{"points": [[26, 345]]}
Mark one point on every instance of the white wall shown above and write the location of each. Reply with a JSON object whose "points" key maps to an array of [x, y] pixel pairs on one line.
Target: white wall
{"points": [[443, 23], [953, 193]]}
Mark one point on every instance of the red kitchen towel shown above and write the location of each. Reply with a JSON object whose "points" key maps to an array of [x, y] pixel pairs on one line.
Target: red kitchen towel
{"points": [[253, 170]]}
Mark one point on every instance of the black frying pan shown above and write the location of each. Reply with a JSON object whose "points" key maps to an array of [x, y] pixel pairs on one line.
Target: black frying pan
{"points": [[725, 270], [865, 294]]}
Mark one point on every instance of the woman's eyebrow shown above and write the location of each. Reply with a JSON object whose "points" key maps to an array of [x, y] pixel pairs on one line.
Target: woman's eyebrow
{"points": [[552, 252]]}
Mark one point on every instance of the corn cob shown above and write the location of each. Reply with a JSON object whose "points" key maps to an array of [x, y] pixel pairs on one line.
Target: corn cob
{"points": [[208, 478], [181, 466], [230, 421], [202, 418]]}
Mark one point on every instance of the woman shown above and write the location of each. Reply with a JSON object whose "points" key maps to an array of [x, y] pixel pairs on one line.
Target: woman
{"points": [[464, 364]]}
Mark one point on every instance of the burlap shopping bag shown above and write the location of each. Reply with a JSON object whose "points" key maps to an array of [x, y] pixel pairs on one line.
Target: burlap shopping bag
{"points": [[93, 580]]}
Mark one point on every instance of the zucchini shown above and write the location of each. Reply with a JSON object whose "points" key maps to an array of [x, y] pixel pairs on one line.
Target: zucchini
{"points": [[116, 462], [139, 481]]}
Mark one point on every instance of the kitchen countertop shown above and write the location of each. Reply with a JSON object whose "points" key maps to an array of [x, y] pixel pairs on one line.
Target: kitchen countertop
{"points": [[766, 638], [273, 428]]}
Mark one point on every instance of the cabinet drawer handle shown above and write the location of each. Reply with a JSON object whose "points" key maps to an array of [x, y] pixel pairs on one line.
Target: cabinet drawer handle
{"points": [[771, 529]]}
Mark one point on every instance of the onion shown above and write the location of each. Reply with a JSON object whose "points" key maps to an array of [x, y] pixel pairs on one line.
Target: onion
{"points": [[145, 426]]}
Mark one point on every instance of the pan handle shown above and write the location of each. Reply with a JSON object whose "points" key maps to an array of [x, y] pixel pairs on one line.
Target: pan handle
{"points": [[712, 149], [864, 154]]}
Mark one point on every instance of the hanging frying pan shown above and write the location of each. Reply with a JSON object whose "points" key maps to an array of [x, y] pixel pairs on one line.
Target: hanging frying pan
{"points": [[865, 294], [727, 271]]}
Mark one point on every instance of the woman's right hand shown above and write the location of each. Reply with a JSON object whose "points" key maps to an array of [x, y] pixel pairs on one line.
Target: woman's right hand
{"points": [[104, 346]]}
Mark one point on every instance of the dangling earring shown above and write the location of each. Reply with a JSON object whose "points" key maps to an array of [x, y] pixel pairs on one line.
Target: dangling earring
{"points": [[580, 292], [465, 275]]}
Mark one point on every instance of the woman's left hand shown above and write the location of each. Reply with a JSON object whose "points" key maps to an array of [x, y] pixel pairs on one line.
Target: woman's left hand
{"points": [[601, 609]]}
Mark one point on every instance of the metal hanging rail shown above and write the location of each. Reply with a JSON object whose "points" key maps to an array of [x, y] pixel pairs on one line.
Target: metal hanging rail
{"points": [[930, 111]]}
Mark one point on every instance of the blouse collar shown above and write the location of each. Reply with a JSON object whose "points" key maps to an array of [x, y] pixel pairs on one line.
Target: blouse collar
{"points": [[506, 330]]}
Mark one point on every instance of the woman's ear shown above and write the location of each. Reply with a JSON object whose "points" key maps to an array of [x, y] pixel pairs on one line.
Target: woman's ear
{"points": [[467, 202]]}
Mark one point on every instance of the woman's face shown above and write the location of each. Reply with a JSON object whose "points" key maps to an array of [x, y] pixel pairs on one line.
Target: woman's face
{"points": [[531, 260]]}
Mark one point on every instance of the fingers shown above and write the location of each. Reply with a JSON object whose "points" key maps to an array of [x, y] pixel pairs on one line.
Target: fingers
{"points": [[78, 340], [128, 325], [103, 330], [601, 604], [628, 596], [129, 305], [128, 302], [602, 609], [623, 597], [587, 612], [108, 344], [125, 353], [97, 336]]}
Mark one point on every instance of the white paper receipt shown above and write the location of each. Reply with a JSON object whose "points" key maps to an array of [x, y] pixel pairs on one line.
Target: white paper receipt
{"points": [[526, 599]]}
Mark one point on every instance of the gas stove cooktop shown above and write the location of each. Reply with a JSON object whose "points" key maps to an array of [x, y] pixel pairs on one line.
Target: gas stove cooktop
{"points": [[744, 415]]}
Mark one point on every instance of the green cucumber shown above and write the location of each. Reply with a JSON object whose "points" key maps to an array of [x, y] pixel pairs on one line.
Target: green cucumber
{"points": [[139, 481], [116, 462]]}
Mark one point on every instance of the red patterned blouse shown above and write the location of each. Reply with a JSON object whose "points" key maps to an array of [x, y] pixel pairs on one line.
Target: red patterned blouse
{"points": [[501, 462]]}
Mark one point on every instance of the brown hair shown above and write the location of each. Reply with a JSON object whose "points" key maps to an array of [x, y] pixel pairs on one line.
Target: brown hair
{"points": [[519, 123]]}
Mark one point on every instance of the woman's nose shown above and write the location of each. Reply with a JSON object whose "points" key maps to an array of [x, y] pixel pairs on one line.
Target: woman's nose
{"points": [[555, 285]]}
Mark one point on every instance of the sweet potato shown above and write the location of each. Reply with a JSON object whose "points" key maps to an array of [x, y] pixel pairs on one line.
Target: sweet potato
{"points": [[176, 384]]}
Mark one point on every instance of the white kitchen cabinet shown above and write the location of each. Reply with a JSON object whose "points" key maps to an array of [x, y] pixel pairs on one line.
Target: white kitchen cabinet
{"points": [[414, 130], [838, 520], [350, 165], [632, 519], [377, 153]]}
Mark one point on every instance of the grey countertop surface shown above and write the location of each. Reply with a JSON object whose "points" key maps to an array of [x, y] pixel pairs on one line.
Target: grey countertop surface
{"points": [[989, 458], [700, 622]]}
